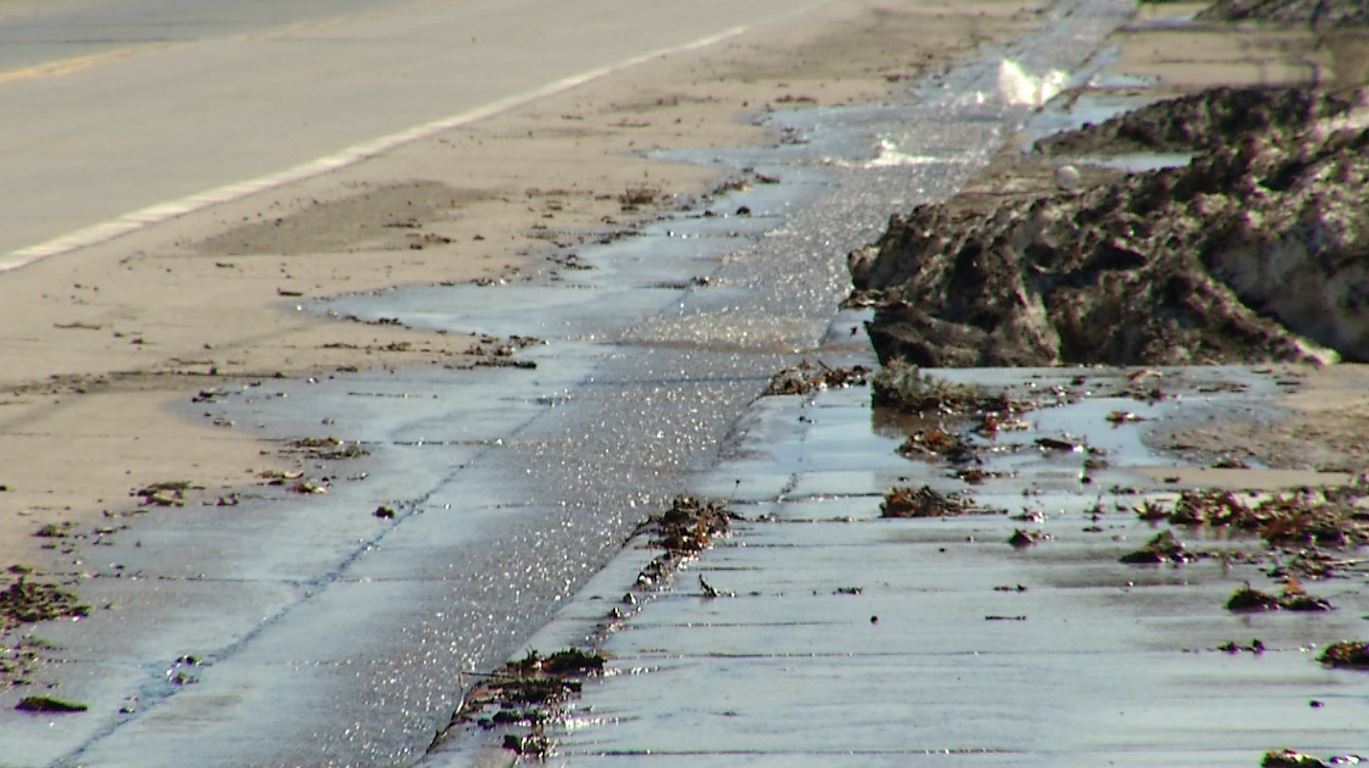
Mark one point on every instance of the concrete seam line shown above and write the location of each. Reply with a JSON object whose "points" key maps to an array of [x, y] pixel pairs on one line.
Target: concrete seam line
{"points": [[155, 214]]}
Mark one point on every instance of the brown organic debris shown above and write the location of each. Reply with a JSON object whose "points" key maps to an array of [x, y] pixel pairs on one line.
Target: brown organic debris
{"points": [[1287, 758], [1248, 598], [1021, 538], [1255, 646], [1294, 598], [1346, 655], [1164, 548], [936, 442], [690, 526], [904, 501], [683, 531], [529, 693], [1329, 517], [25, 601], [165, 494], [805, 377], [907, 388], [326, 448]]}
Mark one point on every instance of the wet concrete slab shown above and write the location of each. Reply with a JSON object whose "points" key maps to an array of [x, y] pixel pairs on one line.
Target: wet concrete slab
{"points": [[513, 487], [851, 639]]}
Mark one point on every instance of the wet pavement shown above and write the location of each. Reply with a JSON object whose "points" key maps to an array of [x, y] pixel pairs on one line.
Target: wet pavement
{"points": [[844, 638], [323, 634]]}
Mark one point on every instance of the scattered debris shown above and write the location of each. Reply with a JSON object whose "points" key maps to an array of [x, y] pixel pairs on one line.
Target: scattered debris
{"points": [[635, 197], [937, 442], [1331, 517], [25, 601], [1123, 417], [385, 512], [309, 487], [1021, 538], [805, 377], [532, 744], [49, 704], [1164, 548], [1247, 598], [1255, 646], [53, 530], [1294, 598], [279, 476], [326, 448], [710, 592], [904, 501], [529, 693], [165, 494], [1287, 758], [907, 388], [1346, 655], [977, 475], [683, 531], [1061, 445]]}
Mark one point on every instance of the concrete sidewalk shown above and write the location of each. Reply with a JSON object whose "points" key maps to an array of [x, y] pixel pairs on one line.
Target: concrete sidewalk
{"points": [[847, 639]]}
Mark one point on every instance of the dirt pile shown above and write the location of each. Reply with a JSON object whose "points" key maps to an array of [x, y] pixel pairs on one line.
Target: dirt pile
{"points": [[1331, 12], [1201, 122], [1258, 244]]}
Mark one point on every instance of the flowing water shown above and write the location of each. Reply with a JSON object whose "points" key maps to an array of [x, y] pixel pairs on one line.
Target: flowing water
{"points": [[325, 635]]}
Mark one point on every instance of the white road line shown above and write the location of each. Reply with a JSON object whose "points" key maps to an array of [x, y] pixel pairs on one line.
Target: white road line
{"points": [[132, 222]]}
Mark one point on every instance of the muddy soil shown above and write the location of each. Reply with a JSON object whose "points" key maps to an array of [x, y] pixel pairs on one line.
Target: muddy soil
{"points": [[1252, 252], [1330, 12]]}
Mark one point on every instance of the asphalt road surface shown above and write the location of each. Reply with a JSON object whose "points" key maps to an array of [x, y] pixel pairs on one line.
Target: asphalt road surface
{"points": [[139, 109]]}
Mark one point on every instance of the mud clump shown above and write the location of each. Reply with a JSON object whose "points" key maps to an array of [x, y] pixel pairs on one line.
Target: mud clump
{"points": [[1242, 256], [25, 602]]}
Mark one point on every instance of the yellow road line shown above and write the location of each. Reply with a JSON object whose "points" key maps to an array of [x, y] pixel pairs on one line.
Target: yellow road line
{"points": [[64, 67]]}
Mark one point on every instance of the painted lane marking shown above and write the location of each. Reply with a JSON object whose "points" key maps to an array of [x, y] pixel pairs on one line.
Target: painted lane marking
{"points": [[155, 214], [65, 67]]}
